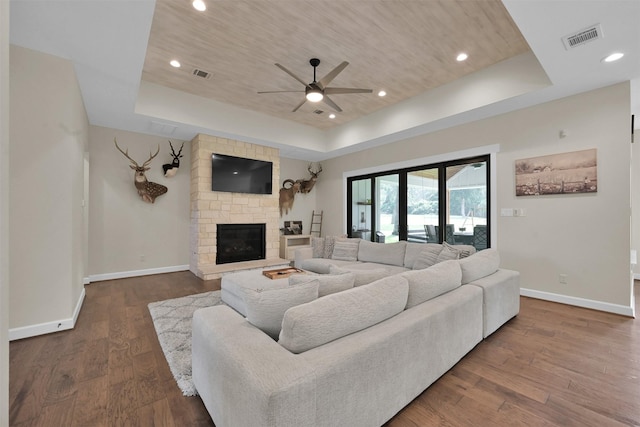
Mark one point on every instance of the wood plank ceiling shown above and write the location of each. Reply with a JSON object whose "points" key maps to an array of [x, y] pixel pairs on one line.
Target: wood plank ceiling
{"points": [[405, 47]]}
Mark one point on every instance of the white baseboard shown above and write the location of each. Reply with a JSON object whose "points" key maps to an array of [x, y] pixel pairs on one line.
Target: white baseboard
{"points": [[579, 302], [48, 327], [137, 273]]}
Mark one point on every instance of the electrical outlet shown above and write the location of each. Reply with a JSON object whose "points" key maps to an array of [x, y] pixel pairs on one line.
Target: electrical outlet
{"points": [[142, 258], [564, 279]]}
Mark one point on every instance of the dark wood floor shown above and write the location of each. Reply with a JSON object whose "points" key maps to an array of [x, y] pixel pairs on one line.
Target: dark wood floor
{"points": [[553, 365]]}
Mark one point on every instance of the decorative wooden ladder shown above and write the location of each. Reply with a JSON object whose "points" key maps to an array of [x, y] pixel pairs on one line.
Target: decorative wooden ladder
{"points": [[316, 220]]}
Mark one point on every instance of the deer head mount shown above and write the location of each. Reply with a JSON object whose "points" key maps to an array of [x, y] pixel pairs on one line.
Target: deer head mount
{"points": [[147, 190], [291, 187], [306, 185], [170, 169]]}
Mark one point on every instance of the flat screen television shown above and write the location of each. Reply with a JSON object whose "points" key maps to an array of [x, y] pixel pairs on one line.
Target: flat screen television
{"points": [[240, 175]]}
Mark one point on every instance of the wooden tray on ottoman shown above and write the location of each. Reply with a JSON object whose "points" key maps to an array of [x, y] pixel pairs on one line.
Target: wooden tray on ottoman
{"points": [[281, 273]]}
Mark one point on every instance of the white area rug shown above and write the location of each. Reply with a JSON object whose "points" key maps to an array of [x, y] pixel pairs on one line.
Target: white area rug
{"points": [[172, 320]]}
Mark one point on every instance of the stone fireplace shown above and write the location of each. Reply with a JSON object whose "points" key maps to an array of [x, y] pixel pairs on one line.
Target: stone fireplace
{"points": [[211, 208], [240, 242]]}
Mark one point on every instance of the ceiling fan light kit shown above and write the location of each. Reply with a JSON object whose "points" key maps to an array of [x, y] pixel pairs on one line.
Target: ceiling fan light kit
{"points": [[317, 91], [314, 94]]}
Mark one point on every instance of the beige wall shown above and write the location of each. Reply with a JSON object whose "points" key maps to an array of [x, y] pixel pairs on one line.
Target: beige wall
{"points": [[49, 136], [4, 213], [635, 201], [128, 236], [303, 204], [586, 237]]}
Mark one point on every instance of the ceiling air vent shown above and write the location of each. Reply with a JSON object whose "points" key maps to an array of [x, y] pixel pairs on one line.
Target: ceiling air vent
{"points": [[318, 111], [201, 73], [586, 35]]}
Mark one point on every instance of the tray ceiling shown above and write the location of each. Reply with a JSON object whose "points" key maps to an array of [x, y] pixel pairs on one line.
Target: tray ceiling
{"points": [[403, 47]]}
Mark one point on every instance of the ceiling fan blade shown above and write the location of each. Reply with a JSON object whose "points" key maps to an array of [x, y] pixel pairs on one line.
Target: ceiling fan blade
{"points": [[331, 104], [299, 105], [282, 91], [339, 90], [292, 75], [323, 82]]}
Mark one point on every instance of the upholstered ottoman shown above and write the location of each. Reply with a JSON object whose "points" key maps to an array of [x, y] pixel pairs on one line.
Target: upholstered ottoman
{"points": [[253, 279]]}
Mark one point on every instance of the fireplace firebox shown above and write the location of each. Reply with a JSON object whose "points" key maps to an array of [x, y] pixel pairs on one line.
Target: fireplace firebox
{"points": [[240, 242]]}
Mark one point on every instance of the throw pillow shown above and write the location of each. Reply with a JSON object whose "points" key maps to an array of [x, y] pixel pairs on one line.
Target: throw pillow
{"points": [[428, 257], [334, 316], [479, 265], [329, 243], [382, 253], [327, 283], [433, 281], [266, 308], [317, 247], [362, 277], [448, 252], [345, 250]]}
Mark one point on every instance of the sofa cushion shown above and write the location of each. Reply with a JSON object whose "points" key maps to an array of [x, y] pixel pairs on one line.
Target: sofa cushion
{"points": [[266, 308], [326, 319], [412, 252], [346, 250], [362, 276], [327, 283], [322, 265], [382, 253], [479, 265], [433, 281], [428, 257], [448, 252], [317, 247]]}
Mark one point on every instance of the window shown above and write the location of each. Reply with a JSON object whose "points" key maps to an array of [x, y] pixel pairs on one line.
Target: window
{"points": [[447, 201]]}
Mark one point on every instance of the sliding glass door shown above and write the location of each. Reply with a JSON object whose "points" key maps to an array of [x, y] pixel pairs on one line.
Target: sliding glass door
{"points": [[444, 202], [466, 213], [423, 205]]}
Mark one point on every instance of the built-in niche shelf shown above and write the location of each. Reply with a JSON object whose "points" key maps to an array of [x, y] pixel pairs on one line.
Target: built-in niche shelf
{"points": [[289, 243]]}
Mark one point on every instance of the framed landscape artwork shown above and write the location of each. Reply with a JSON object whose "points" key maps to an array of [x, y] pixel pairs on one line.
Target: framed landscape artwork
{"points": [[566, 173]]}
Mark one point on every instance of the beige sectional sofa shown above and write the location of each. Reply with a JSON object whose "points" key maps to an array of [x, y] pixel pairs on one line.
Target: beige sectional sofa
{"points": [[354, 357]]}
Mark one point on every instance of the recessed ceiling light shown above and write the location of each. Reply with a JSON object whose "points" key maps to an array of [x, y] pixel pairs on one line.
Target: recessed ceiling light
{"points": [[382, 93], [175, 63], [613, 57], [462, 57], [199, 5], [332, 116]]}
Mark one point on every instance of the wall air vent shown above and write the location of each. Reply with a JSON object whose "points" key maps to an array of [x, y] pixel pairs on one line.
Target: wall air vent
{"points": [[201, 73], [586, 35], [318, 111]]}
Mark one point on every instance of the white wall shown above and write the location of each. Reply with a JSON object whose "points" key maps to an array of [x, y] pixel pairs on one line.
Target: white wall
{"points": [[303, 204], [49, 136], [586, 237], [4, 213], [128, 236]]}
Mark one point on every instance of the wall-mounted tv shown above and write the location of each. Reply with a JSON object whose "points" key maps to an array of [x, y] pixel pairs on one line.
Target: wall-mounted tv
{"points": [[240, 175]]}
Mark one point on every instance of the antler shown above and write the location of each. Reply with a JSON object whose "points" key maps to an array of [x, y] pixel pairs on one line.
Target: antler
{"points": [[173, 152], [126, 154], [312, 172], [145, 164]]}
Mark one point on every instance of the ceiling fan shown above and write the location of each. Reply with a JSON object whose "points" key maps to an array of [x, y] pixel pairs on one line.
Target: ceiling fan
{"points": [[317, 91]]}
